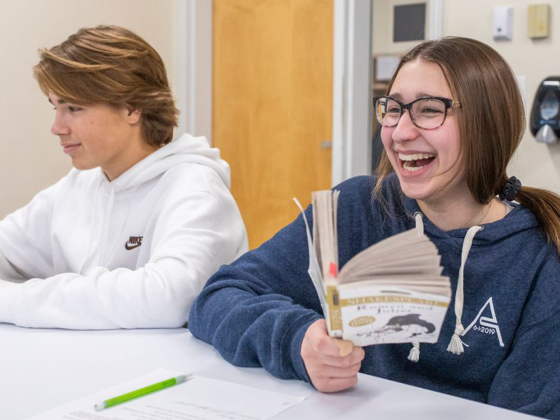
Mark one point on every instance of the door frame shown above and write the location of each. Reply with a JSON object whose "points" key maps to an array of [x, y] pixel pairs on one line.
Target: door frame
{"points": [[194, 90], [352, 84], [352, 76]]}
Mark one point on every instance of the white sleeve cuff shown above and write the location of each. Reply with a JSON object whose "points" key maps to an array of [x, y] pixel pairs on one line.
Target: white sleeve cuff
{"points": [[8, 294]]}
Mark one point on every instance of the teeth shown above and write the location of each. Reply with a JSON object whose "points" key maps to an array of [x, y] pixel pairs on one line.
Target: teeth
{"points": [[415, 156], [413, 168], [408, 159]]}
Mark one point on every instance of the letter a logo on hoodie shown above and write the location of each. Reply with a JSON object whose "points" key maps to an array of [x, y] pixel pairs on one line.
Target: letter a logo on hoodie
{"points": [[485, 324]]}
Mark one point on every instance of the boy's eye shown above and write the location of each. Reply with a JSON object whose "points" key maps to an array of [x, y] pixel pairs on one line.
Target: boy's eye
{"points": [[74, 108]]}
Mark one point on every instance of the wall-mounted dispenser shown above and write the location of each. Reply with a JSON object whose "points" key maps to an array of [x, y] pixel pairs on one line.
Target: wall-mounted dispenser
{"points": [[502, 27], [545, 114]]}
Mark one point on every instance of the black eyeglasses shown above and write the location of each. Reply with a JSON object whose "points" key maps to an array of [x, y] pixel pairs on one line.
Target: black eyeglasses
{"points": [[426, 113]]}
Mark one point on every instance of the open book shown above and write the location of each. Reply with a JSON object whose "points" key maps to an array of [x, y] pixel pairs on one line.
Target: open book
{"points": [[391, 292]]}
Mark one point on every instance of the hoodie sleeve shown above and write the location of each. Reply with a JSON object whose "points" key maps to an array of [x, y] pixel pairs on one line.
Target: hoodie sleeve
{"points": [[194, 235], [529, 379], [256, 311], [27, 232]]}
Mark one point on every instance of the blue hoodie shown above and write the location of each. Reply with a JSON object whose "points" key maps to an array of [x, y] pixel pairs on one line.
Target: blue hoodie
{"points": [[256, 311]]}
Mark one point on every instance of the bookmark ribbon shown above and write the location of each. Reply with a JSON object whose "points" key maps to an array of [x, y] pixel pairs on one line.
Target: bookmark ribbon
{"points": [[333, 269]]}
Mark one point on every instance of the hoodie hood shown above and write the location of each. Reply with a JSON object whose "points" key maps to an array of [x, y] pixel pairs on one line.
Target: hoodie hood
{"points": [[184, 149]]}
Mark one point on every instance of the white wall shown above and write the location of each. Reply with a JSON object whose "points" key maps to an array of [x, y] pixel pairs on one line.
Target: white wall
{"points": [[535, 164], [30, 156]]}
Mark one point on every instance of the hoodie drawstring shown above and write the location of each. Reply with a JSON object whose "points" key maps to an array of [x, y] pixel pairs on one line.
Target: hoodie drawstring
{"points": [[90, 249], [105, 252], [414, 354], [455, 345]]}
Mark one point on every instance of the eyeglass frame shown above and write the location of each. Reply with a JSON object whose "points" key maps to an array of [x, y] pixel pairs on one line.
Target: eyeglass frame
{"points": [[449, 103]]}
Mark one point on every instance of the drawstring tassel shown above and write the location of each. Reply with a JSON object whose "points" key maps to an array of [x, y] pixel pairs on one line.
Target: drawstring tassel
{"points": [[419, 223], [456, 345], [414, 354]]}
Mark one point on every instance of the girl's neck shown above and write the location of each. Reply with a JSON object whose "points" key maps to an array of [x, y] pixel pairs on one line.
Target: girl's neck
{"points": [[461, 212]]}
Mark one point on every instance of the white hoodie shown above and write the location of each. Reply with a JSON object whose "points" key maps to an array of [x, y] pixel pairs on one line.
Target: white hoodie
{"points": [[87, 253]]}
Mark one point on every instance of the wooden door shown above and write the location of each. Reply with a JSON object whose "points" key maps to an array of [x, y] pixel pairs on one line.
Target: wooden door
{"points": [[272, 104]]}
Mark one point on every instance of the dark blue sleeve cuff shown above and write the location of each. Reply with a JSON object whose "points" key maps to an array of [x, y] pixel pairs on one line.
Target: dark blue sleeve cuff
{"points": [[295, 347]]}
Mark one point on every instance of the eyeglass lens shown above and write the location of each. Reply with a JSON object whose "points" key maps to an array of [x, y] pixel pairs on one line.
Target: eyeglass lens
{"points": [[425, 113]]}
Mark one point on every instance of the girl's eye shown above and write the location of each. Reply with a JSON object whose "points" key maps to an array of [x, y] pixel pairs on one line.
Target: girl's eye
{"points": [[74, 109], [428, 111]]}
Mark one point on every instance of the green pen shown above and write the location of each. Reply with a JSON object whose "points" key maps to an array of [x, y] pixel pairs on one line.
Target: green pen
{"points": [[141, 392]]}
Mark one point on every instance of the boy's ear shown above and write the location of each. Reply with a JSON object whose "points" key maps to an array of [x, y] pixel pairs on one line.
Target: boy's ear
{"points": [[133, 115]]}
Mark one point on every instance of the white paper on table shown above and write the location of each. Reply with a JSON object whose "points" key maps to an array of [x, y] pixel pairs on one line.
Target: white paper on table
{"points": [[199, 398]]}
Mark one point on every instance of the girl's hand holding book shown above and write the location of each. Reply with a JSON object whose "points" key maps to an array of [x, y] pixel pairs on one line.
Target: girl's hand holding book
{"points": [[328, 369]]}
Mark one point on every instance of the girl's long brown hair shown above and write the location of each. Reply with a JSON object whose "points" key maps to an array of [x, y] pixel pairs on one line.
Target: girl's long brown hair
{"points": [[491, 123]]}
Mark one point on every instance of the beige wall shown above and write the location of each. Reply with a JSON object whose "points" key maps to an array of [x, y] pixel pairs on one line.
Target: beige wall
{"points": [[535, 164], [30, 156]]}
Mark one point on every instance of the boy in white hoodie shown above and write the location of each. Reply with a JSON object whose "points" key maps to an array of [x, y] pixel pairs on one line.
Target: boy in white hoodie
{"points": [[129, 237]]}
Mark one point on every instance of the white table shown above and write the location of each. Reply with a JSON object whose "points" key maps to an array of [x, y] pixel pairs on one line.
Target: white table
{"points": [[42, 369]]}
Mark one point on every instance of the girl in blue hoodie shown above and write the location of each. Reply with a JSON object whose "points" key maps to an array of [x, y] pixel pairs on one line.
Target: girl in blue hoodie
{"points": [[451, 121]]}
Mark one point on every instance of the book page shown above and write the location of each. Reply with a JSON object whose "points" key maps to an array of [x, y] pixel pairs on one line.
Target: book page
{"points": [[335, 195], [424, 284], [325, 234], [403, 249], [417, 247], [314, 269], [418, 288], [316, 233], [417, 265]]}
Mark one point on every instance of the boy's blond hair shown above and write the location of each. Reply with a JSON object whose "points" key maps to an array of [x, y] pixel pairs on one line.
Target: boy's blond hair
{"points": [[112, 65]]}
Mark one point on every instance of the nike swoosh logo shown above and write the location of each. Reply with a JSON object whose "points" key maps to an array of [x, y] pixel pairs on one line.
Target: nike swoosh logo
{"points": [[130, 247]]}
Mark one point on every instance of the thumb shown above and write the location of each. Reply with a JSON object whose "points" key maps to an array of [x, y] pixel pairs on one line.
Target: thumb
{"points": [[344, 346]]}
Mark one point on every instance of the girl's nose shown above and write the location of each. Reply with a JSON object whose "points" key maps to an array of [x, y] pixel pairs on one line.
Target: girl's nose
{"points": [[405, 129]]}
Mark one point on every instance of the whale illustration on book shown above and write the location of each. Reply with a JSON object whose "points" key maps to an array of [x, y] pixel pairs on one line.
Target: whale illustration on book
{"points": [[399, 323], [404, 326]]}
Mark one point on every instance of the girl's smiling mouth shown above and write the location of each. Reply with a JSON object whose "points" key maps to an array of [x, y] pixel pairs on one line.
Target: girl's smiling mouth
{"points": [[416, 161]]}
